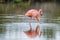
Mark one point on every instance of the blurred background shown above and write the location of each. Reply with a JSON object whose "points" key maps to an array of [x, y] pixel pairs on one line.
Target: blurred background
{"points": [[13, 22]]}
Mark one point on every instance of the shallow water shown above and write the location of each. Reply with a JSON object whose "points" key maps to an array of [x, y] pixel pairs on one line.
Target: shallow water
{"points": [[12, 27]]}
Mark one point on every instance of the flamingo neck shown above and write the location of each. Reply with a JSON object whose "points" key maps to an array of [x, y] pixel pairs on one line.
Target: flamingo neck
{"points": [[39, 11]]}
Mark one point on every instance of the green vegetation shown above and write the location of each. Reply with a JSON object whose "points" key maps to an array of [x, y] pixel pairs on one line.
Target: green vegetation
{"points": [[11, 7]]}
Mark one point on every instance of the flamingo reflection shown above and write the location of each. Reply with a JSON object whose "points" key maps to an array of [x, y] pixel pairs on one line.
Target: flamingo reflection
{"points": [[33, 33]]}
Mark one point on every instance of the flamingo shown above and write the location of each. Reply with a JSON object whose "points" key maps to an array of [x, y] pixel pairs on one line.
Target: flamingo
{"points": [[33, 33], [33, 13]]}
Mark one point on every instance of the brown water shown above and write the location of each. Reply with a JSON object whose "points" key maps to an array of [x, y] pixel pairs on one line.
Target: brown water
{"points": [[12, 26]]}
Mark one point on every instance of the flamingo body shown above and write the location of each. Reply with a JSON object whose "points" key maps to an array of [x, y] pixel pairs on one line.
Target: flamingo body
{"points": [[34, 13]]}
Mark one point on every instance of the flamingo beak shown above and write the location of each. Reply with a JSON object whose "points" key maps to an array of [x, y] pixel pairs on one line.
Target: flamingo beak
{"points": [[41, 14]]}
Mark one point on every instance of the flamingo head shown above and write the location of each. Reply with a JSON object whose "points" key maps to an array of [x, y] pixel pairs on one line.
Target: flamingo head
{"points": [[40, 11]]}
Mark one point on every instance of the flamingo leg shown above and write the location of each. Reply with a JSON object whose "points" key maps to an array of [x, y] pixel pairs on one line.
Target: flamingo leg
{"points": [[30, 23]]}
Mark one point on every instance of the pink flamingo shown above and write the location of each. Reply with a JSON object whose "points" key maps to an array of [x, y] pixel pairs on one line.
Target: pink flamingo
{"points": [[33, 33], [34, 13]]}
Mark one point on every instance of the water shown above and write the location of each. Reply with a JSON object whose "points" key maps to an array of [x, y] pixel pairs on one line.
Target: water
{"points": [[12, 26]]}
